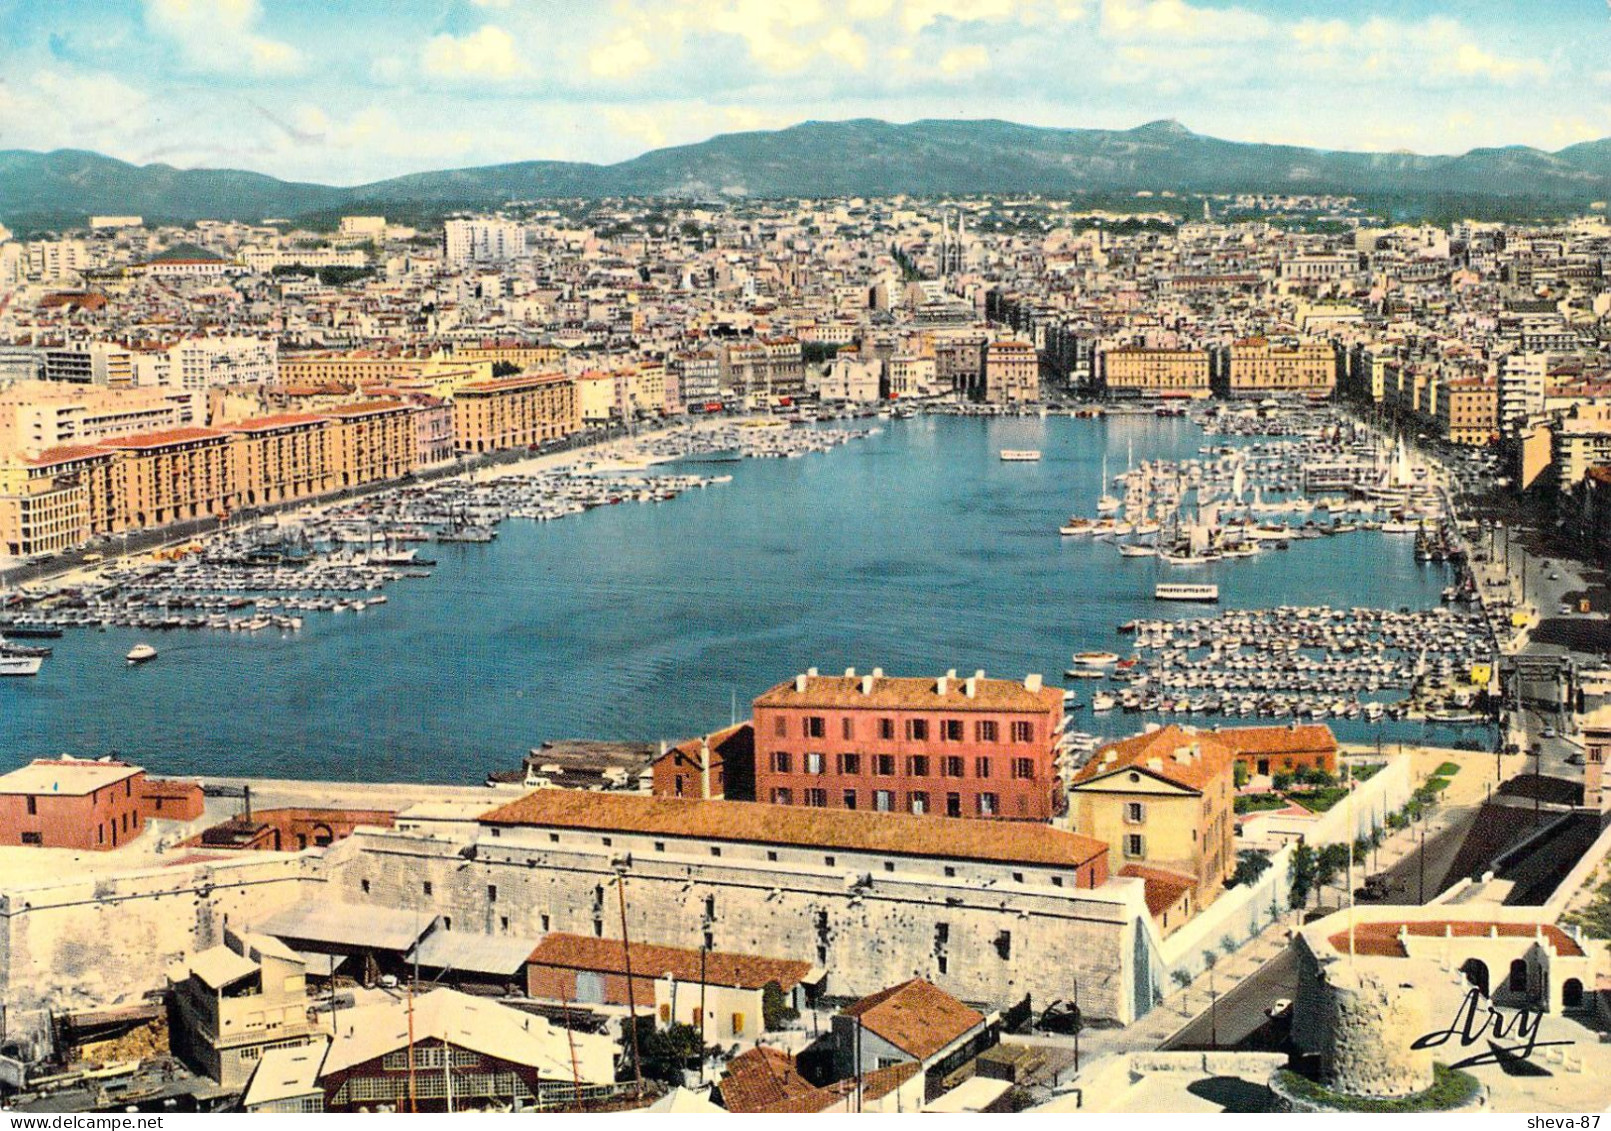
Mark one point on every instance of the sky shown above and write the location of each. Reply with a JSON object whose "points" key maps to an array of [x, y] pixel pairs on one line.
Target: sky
{"points": [[350, 91]]}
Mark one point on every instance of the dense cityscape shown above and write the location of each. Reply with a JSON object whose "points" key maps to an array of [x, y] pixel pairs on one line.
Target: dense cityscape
{"points": [[709, 651]]}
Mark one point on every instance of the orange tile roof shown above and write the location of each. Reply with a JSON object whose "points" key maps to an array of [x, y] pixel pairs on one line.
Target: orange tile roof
{"points": [[916, 1017], [893, 834], [364, 408], [747, 971], [900, 693], [1163, 888], [67, 453], [765, 1079], [1140, 751], [165, 438], [1382, 938], [268, 423], [1307, 739], [505, 383]]}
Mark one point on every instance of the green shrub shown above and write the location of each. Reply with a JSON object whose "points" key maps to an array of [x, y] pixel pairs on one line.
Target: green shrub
{"points": [[1447, 770], [1450, 1089]]}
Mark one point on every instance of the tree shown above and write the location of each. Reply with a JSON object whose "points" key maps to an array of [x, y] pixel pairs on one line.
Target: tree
{"points": [[1240, 775], [1301, 876], [1251, 863], [668, 1052], [1227, 945], [1183, 980], [776, 1012], [504, 369], [1281, 781]]}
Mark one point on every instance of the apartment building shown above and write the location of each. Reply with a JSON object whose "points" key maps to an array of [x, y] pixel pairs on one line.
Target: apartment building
{"points": [[1468, 411], [1011, 372], [1258, 367], [957, 747], [516, 412], [1132, 371]]}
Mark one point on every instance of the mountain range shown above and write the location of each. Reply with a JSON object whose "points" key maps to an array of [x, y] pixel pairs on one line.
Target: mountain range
{"points": [[861, 157]]}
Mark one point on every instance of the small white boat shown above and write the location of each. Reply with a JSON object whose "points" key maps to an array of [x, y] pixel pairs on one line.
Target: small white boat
{"points": [[1020, 455], [141, 653], [1136, 550], [1102, 701], [1095, 659]]}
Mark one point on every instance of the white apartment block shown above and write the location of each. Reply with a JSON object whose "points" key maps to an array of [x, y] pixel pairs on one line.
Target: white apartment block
{"points": [[484, 241], [200, 363], [49, 260], [1521, 388]]}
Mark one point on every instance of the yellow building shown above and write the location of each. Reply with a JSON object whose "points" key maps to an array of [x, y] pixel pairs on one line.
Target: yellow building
{"points": [[1468, 411], [358, 369], [39, 513], [1134, 371], [1011, 372], [1163, 802], [1258, 367], [176, 475], [372, 442], [527, 357], [515, 412], [283, 458]]}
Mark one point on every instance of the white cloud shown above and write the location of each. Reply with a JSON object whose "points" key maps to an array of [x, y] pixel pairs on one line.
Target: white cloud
{"points": [[959, 61], [1470, 60], [622, 55], [1178, 21], [919, 14], [845, 45], [487, 52], [221, 35]]}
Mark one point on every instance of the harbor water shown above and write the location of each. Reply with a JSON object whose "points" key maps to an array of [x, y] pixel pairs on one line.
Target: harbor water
{"points": [[915, 550]]}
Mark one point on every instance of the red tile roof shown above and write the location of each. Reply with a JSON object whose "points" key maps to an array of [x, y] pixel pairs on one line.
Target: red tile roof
{"points": [[893, 834], [900, 693], [916, 1017], [165, 438], [746, 971], [1154, 752], [365, 408], [269, 423], [67, 453], [1163, 888]]}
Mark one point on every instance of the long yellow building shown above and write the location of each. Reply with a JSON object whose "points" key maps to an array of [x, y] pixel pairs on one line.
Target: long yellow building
{"points": [[515, 412], [1257, 366], [1138, 372]]}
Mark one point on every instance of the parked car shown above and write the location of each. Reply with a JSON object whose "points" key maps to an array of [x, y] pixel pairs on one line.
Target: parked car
{"points": [[1548, 732]]}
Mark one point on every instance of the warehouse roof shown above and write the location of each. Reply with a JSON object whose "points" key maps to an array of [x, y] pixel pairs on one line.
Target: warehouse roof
{"points": [[895, 834], [67, 777]]}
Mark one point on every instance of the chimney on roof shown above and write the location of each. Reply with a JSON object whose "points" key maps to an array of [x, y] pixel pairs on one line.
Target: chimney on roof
{"points": [[951, 672], [878, 673], [978, 673], [940, 686], [971, 688], [1032, 683], [866, 685], [812, 672], [1109, 757], [850, 673], [800, 684], [1154, 763]]}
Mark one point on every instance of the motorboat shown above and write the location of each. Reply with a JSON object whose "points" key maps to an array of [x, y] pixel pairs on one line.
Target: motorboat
{"points": [[140, 654]]}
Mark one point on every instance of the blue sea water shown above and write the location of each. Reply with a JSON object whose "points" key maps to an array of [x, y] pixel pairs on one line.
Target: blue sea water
{"points": [[915, 550]]}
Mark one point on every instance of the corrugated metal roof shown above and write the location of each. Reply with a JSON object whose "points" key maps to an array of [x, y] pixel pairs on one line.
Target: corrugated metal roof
{"points": [[341, 924], [473, 954]]}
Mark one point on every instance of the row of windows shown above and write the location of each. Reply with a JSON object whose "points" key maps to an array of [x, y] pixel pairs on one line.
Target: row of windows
{"points": [[914, 730], [885, 765], [885, 801]]}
